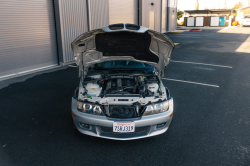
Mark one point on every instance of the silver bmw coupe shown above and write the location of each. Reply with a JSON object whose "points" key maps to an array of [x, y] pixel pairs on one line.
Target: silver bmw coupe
{"points": [[121, 95]]}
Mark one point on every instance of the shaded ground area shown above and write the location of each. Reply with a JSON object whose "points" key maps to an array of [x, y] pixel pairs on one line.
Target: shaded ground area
{"points": [[210, 125]]}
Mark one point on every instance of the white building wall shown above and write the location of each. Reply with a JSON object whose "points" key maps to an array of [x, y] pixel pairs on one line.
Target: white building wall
{"points": [[164, 18], [150, 15], [172, 15], [164, 13]]}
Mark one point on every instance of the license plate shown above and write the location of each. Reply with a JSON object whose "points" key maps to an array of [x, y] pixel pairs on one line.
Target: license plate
{"points": [[123, 127]]}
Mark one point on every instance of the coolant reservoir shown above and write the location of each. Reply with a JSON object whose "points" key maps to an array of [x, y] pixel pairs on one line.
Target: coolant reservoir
{"points": [[93, 89], [153, 87]]}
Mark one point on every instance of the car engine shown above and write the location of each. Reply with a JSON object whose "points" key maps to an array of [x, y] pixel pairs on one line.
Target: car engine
{"points": [[122, 96], [144, 86]]}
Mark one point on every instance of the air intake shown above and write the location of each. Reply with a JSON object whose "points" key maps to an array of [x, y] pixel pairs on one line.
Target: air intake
{"points": [[132, 27], [116, 26], [122, 111]]}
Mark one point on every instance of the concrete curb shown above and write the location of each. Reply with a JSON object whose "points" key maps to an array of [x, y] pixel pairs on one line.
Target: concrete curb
{"points": [[195, 30]]}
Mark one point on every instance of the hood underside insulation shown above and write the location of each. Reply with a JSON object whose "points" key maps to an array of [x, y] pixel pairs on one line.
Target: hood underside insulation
{"points": [[126, 44]]}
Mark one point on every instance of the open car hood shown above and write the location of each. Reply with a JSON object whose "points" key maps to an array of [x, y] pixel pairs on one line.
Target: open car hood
{"points": [[122, 42]]}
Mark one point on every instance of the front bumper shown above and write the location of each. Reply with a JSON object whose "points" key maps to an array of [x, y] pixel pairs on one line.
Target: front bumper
{"points": [[102, 126]]}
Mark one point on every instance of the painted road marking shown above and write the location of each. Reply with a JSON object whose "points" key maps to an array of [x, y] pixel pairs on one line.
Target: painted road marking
{"points": [[216, 86], [176, 31], [188, 34], [201, 64], [176, 43]]}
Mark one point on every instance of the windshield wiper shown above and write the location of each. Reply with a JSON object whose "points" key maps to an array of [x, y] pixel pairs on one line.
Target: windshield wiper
{"points": [[101, 68], [118, 69]]}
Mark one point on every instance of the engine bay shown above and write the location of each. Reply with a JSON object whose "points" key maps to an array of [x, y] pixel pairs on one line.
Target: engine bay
{"points": [[144, 86], [122, 96]]}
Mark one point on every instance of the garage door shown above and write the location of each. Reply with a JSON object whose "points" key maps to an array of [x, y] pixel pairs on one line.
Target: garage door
{"points": [[190, 22], [123, 11], [199, 22], [27, 36], [214, 21]]}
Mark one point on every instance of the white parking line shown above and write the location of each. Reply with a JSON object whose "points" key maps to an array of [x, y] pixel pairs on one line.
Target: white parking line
{"points": [[201, 64], [188, 36], [216, 86]]}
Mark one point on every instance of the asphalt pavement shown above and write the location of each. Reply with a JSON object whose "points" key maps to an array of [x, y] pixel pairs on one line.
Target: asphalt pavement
{"points": [[208, 78]]}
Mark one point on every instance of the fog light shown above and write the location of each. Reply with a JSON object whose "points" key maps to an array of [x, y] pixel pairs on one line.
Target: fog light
{"points": [[161, 125], [82, 125]]}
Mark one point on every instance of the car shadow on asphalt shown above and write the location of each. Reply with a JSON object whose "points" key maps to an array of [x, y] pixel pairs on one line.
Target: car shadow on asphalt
{"points": [[36, 122]]}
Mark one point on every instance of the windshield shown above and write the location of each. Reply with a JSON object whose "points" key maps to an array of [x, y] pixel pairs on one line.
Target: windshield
{"points": [[121, 64]]}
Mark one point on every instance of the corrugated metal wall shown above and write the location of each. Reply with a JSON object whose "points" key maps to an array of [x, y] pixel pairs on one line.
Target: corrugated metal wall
{"points": [[75, 16], [123, 11], [27, 36], [98, 13], [27, 27], [73, 22]]}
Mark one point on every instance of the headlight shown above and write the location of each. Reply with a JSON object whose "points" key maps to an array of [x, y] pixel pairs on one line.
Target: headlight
{"points": [[89, 108], [156, 108]]}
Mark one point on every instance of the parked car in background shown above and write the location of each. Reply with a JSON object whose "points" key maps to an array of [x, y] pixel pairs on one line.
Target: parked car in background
{"points": [[246, 20], [121, 95]]}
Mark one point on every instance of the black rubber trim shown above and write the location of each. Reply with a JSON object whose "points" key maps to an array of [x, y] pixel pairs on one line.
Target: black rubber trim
{"points": [[80, 45], [168, 94], [76, 93]]}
